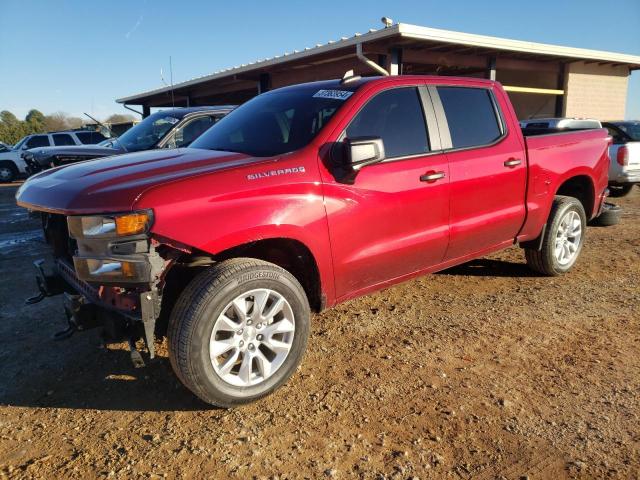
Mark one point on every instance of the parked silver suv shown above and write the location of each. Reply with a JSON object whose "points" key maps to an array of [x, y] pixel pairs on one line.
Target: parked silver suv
{"points": [[11, 163]]}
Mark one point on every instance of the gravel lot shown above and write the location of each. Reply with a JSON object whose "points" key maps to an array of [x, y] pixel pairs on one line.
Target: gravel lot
{"points": [[482, 371]]}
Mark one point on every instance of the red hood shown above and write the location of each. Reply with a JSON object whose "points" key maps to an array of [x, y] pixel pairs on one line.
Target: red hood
{"points": [[113, 184]]}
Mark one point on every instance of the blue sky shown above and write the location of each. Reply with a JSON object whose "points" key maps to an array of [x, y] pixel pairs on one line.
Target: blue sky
{"points": [[79, 56]]}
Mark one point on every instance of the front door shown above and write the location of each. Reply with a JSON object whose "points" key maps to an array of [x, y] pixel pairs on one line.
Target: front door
{"points": [[394, 218]]}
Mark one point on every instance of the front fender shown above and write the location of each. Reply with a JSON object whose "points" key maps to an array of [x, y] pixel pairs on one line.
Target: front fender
{"points": [[190, 214]]}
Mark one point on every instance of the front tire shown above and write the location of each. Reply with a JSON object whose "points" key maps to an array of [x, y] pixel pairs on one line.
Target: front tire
{"points": [[8, 172], [238, 331], [563, 238]]}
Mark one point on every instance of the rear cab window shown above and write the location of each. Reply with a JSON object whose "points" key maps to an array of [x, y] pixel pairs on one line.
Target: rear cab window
{"points": [[472, 115]]}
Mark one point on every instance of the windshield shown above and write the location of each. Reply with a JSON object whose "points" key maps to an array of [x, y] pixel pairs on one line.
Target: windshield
{"points": [[630, 128], [18, 145], [147, 133], [274, 123]]}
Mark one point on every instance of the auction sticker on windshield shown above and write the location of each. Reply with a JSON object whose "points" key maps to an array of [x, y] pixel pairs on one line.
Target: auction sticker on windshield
{"points": [[335, 94]]}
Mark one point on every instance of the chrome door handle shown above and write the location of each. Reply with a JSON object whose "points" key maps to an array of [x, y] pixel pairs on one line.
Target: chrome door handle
{"points": [[512, 162], [431, 177]]}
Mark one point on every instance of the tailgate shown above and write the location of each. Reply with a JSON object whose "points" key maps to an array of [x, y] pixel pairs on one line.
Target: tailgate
{"points": [[634, 155]]}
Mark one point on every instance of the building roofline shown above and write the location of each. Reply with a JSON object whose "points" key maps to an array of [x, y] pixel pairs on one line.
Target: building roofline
{"points": [[416, 32], [496, 43]]}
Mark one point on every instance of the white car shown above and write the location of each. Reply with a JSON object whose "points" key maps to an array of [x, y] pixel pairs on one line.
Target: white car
{"points": [[624, 170], [11, 163]]}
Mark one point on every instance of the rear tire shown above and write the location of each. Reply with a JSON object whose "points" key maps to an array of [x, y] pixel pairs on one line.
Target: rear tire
{"points": [[617, 191], [563, 238], [224, 345], [8, 172]]}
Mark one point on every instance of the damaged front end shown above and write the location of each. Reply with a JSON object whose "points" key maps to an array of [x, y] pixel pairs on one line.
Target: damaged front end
{"points": [[111, 272]]}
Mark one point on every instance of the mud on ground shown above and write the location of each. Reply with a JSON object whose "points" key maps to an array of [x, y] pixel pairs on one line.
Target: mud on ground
{"points": [[482, 371]]}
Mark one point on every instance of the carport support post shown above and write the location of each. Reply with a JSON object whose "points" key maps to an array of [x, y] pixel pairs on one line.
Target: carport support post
{"points": [[264, 83], [395, 66], [491, 68], [146, 111], [559, 110]]}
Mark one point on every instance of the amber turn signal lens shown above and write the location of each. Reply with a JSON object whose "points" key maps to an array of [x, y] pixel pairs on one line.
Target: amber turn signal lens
{"points": [[132, 224], [128, 269]]}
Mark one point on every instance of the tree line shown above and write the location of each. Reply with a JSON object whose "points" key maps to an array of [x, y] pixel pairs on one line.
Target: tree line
{"points": [[13, 129]]}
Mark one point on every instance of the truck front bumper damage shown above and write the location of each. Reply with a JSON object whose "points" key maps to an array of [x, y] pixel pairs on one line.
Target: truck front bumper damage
{"points": [[121, 311]]}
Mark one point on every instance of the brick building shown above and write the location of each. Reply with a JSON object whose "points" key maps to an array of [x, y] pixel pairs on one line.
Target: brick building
{"points": [[542, 80]]}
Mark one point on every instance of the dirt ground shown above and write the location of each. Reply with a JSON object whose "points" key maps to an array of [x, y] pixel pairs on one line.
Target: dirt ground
{"points": [[482, 371]]}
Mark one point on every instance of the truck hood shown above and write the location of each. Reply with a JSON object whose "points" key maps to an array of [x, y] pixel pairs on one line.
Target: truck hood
{"points": [[113, 184], [89, 151]]}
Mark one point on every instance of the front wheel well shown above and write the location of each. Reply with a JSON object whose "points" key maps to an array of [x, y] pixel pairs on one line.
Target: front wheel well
{"points": [[9, 164], [289, 254]]}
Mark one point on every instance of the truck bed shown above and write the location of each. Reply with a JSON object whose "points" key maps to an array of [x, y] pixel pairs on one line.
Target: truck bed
{"points": [[552, 158]]}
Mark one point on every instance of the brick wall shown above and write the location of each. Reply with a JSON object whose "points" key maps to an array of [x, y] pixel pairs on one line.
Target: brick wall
{"points": [[595, 91]]}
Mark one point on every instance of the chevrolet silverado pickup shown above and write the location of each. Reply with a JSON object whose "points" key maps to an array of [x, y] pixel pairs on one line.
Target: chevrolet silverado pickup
{"points": [[302, 198]]}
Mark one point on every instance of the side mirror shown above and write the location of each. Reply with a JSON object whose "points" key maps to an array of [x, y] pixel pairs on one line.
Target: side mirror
{"points": [[351, 154], [363, 151]]}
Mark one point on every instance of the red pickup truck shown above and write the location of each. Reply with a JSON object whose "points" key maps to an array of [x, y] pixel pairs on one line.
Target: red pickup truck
{"points": [[302, 198]]}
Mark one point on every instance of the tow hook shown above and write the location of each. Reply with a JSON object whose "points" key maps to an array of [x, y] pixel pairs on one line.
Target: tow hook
{"points": [[80, 314], [136, 358], [48, 285]]}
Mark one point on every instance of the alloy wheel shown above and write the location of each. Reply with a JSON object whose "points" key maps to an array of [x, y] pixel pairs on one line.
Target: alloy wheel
{"points": [[252, 337], [568, 238]]}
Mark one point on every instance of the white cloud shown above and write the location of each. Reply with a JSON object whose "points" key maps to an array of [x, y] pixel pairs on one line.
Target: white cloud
{"points": [[135, 27]]}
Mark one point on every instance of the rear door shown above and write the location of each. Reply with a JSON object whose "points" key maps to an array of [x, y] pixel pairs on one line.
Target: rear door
{"points": [[487, 169], [390, 221]]}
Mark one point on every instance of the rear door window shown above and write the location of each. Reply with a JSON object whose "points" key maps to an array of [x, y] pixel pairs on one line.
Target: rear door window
{"points": [[60, 139], [471, 115], [396, 117], [38, 141], [90, 138], [191, 130]]}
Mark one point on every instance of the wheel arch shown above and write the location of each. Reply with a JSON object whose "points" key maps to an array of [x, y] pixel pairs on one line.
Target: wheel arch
{"points": [[582, 188], [288, 253]]}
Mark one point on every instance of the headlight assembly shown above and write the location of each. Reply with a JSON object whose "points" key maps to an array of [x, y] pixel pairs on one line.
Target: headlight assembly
{"points": [[106, 270], [110, 226]]}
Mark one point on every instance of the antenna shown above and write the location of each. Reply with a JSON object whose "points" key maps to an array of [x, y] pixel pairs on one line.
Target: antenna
{"points": [[101, 124], [162, 77], [173, 102]]}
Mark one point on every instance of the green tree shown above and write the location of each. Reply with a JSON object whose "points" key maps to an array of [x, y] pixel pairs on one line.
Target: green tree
{"points": [[35, 120], [11, 129]]}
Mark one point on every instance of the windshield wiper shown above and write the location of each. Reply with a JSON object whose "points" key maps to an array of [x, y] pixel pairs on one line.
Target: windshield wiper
{"points": [[225, 150]]}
